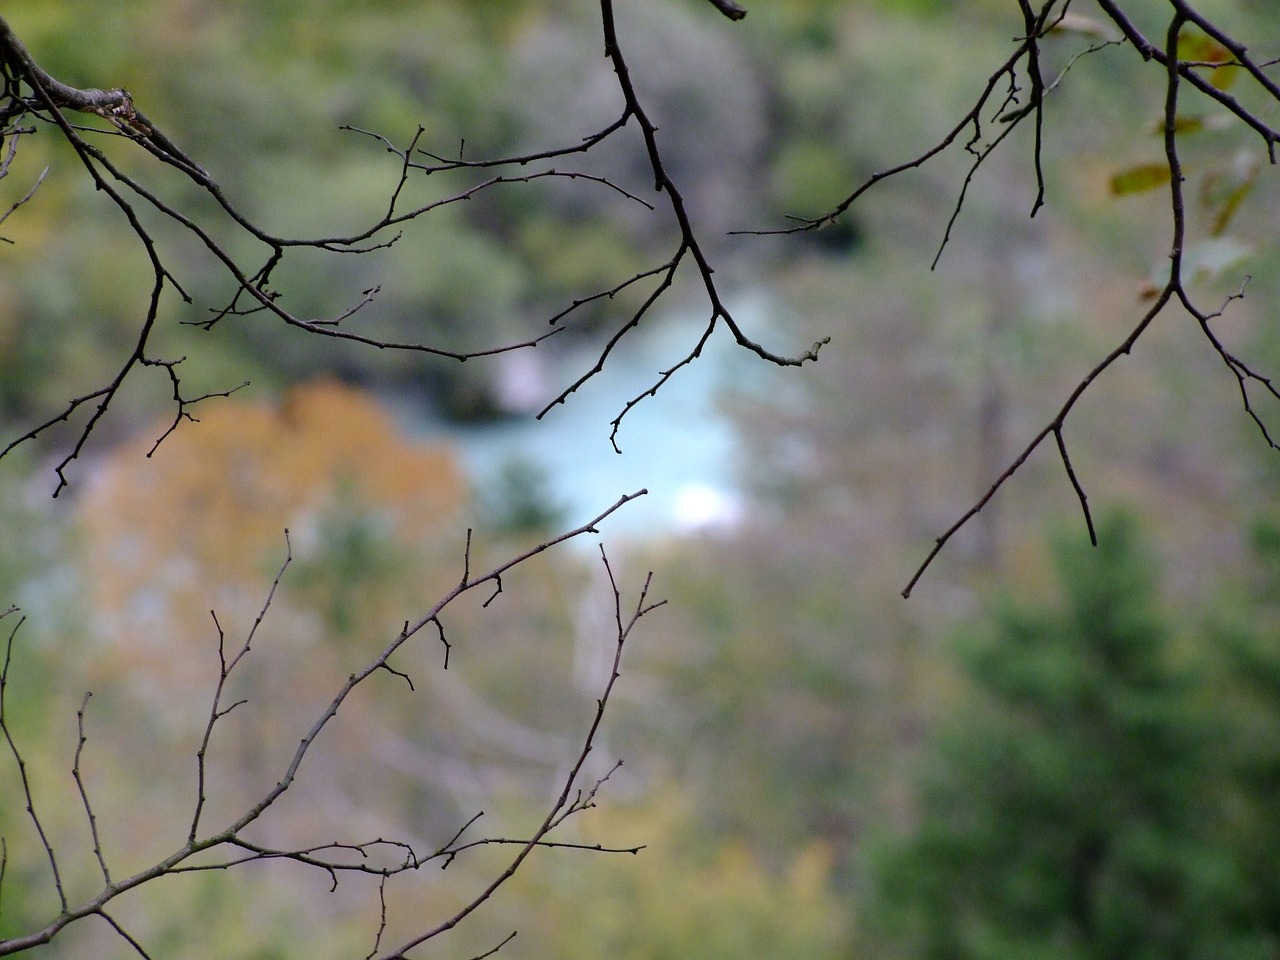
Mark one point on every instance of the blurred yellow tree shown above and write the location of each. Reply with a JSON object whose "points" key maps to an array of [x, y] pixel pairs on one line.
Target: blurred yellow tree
{"points": [[200, 523], [688, 895]]}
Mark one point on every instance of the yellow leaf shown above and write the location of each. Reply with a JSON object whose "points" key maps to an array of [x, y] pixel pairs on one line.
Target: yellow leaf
{"points": [[1200, 48], [1135, 179], [1224, 76]]}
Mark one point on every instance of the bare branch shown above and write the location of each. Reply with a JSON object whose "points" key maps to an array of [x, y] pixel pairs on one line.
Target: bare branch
{"points": [[225, 668], [84, 794], [14, 752], [124, 935], [1175, 72], [563, 806], [231, 835], [4, 169], [730, 9]]}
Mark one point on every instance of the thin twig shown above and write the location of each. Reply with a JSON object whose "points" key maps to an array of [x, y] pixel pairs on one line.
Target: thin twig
{"points": [[27, 792], [84, 793]]}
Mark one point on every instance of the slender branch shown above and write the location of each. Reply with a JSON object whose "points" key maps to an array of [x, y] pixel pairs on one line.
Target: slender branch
{"points": [[562, 806], [12, 149], [225, 668], [972, 117], [124, 935], [730, 9], [84, 793], [1244, 374], [27, 792], [1176, 71]]}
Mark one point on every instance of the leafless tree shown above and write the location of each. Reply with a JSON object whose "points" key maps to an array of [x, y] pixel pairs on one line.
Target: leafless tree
{"points": [[101, 126]]}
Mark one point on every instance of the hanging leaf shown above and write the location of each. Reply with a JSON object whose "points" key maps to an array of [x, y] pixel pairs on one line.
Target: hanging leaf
{"points": [[1135, 179], [1181, 124], [1202, 49]]}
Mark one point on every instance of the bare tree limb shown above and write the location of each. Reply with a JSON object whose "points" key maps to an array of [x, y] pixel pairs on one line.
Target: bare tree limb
{"points": [[84, 793], [27, 791], [180, 860]]}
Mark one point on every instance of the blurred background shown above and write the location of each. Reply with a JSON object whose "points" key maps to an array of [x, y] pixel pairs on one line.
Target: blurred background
{"points": [[1050, 750]]}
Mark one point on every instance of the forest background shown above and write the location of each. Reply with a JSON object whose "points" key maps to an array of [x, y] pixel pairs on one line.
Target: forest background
{"points": [[815, 765]]}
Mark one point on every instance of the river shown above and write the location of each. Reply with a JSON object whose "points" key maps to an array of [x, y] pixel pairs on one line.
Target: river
{"points": [[676, 444]]}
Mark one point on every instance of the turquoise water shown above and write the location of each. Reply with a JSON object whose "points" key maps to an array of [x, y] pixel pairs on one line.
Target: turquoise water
{"points": [[676, 444]]}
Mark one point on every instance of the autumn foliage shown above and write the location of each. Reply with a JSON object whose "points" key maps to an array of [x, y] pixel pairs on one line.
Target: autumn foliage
{"points": [[198, 523]]}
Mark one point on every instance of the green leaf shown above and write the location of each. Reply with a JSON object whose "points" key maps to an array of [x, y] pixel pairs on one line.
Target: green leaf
{"points": [[1135, 179]]}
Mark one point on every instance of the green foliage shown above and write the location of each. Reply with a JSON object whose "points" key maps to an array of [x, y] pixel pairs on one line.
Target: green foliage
{"points": [[1079, 805], [345, 574], [519, 501]]}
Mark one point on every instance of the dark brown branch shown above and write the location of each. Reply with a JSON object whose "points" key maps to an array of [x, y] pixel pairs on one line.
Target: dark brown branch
{"points": [[225, 668], [1190, 72], [1243, 372], [124, 934], [689, 242], [442, 164], [84, 793], [1075, 484], [730, 9], [14, 752], [182, 405], [1050, 429], [1176, 71], [973, 116], [1238, 49], [667, 271], [102, 102], [12, 150], [114, 105]]}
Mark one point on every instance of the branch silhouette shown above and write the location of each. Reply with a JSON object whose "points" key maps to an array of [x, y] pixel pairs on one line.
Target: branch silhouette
{"points": [[381, 857]]}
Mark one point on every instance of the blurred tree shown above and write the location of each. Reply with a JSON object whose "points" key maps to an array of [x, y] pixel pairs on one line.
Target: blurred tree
{"points": [[691, 895], [789, 703], [200, 522], [519, 499], [1087, 799]]}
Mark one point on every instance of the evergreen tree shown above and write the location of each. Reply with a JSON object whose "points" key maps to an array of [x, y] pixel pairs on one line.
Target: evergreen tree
{"points": [[1088, 801]]}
